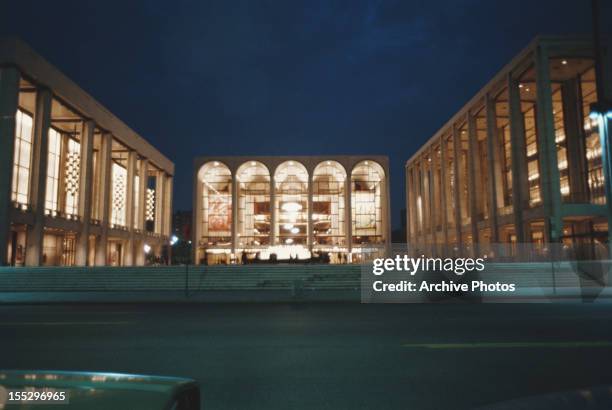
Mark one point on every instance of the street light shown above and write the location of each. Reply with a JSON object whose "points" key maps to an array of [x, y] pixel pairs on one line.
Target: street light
{"points": [[147, 248], [173, 240]]}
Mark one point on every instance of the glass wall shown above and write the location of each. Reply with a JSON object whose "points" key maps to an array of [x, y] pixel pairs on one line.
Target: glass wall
{"points": [[502, 118], [216, 204], [367, 195], [481, 190], [464, 192], [253, 204], [449, 183], [291, 184], [527, 91], [22, 158], [53, 167], [592, 141], [328, 203]]}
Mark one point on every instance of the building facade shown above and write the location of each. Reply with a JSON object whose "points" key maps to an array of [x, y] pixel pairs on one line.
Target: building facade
{"points": [[281, 208], [521, 162], [77, 185]]}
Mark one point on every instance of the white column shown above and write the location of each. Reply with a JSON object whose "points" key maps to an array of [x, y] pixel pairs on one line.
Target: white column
{"points": [[105, 195], [38, 176], [139, 255], [309, 224], [85, 191], [495, 198], [348, 213], [272, 211], [520, 193], [129, 205], [549, 170], [9, 95]]}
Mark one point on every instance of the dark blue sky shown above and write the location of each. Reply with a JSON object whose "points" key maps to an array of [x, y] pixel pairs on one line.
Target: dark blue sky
{"points": [[267, 78]]}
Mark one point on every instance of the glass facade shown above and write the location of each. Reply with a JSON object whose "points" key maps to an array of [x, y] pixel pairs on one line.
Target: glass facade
{"points": [[22, 158], [291, 205], [53, 168], [254, 216], [216, 204], [595, 177], [542, 125], [289, 209], [367, 186], [328, 203]]}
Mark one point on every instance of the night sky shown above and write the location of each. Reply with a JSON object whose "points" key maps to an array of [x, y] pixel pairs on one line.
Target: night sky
{"points": [[281, 78]]}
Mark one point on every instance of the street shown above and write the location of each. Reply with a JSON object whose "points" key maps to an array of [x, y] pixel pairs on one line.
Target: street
{"points": [[325, 356]]}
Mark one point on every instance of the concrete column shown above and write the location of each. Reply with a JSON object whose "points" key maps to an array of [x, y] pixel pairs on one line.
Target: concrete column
{"points": [[105, 195], [139, 255], [424, 183], [549, 171], [235, 216], [142, 192], [474, 194], [129, 205], [433, 200], [496, 194], [576, 159], [85, 191], [457, 185], [386, 195], [38, 176], [310, 225], [519, 161], [272, 211], [9, 96], [443, 188], [408, 204], [159, 202], [348, 214], [168, 207]]}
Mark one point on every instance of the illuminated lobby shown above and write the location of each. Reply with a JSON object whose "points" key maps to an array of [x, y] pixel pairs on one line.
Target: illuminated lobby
{"points": [[78, 187], [334, 209], [521, 162]]}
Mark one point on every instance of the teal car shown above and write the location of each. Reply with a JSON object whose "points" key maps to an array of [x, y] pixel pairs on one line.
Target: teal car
{"points": [[64, 390]]}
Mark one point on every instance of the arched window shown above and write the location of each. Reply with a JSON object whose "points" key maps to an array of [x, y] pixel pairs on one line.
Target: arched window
{"points": [[253, 204], [215, 204], [367, 196], [291, 183], [328, 204]]}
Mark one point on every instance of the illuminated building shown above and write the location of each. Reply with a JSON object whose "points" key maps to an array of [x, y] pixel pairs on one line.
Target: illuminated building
{"points": [[520, 162], [290, 208], [77, 185]]}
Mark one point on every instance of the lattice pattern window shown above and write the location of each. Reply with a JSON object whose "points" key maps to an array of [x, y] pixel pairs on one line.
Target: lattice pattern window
{"points": [[328, 202], [150, 209], [291, 179], [53, 169], [119, 195], [22, 158], [367, 187], [253, 204], [71, 177]]}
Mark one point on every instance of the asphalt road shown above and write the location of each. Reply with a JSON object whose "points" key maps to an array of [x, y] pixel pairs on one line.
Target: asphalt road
{"points": [[325, 356]]}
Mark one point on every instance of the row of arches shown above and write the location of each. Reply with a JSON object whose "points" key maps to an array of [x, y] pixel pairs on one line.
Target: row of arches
{"points": [[255, 208]]}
